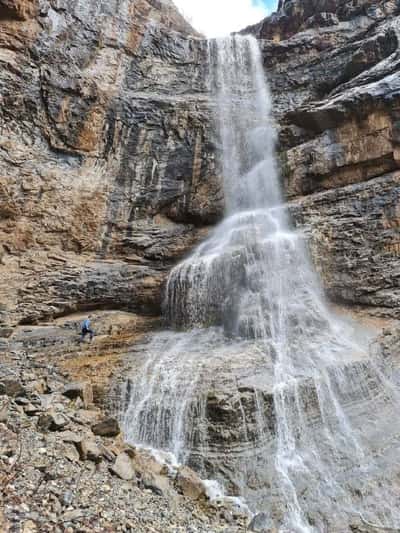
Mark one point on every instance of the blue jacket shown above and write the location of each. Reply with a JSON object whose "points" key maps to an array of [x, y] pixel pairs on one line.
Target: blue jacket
{"points": [[86, 324]]}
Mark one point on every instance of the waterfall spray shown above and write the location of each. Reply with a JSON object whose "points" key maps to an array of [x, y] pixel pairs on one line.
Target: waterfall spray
{"points": [[311, 405]]}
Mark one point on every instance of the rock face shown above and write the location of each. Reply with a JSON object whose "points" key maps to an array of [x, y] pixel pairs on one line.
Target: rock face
{"points": [[106, 160], [333, 68], [107, 156]]}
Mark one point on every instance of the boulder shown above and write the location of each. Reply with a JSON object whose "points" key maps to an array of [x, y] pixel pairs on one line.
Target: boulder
{"points": [[84, 391], [52, 421], [189, 484], [89, 450], [160, 485], [123, 467], [107, 428], [12, 388]]}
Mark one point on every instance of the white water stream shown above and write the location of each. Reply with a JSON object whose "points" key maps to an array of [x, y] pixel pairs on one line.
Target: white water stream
{"points": [[250, 322]]}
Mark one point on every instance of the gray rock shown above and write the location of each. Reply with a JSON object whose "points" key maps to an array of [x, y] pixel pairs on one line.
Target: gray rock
{"points": [[52, 421], [71, 437], [67, 498], [261, 523], [123, 467]]}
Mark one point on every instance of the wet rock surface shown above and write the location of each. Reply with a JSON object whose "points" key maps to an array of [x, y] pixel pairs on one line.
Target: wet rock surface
{"points": [[109, 177], [333, 69]]}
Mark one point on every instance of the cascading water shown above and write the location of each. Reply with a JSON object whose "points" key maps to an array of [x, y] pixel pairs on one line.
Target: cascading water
{"points": [[262, 368]]}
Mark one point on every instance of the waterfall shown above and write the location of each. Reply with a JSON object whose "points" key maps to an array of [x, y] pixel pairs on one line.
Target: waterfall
{"points": [[255, 362]]}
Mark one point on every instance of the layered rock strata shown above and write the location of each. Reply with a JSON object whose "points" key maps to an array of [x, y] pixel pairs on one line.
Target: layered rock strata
{"points": [[108, 152], [106, 159], [337, 99]]}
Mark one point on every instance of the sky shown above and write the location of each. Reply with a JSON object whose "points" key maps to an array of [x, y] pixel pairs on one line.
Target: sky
{"points": [[217, 18]]}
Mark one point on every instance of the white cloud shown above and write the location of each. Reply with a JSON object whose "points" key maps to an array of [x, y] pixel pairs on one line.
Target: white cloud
{"points": [[217, 18]]}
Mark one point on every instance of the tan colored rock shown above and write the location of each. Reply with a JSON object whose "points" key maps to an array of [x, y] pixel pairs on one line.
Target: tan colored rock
{"points": [[123, 467], [189, 483], [89, 450]]}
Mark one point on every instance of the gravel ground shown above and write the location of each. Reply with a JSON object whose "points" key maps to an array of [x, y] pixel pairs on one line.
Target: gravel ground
{"points": [[56, 474]]}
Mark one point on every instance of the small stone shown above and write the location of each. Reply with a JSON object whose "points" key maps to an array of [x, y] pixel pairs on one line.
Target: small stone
{"points": [[67, 498], [107, 428], [29, 527], [70, 516], [123, 467]]}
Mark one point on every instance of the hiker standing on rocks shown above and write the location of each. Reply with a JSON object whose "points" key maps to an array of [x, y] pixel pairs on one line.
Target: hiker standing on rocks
{"points": [[85, 329]]}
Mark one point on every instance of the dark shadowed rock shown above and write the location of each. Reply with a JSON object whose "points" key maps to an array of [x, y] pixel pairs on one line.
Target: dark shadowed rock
{"points": [[12, 388], [107, 428]]}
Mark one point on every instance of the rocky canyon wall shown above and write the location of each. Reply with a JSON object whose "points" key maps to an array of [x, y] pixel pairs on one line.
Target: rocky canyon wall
{"points": [[107, 155], [334, 67]]}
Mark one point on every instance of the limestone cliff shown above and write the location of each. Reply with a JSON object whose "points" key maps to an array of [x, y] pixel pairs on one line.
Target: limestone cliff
{"points": [[107, 167], [107, 157]]}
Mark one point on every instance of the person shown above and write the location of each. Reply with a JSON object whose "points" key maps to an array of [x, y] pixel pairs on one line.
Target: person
{"points": [[85, 329]]}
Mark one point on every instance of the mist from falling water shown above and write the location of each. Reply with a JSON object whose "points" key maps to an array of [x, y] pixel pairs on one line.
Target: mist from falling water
{"points": [[249, 291]]}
